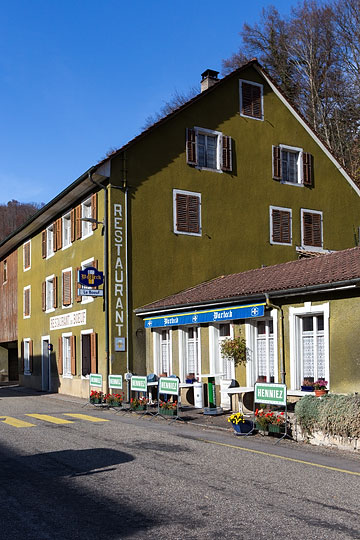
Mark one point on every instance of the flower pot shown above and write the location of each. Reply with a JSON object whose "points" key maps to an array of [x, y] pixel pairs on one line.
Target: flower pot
{"points": [[139, 408], [168, 412], [261, 428], [243, 427], [276, 428], [95, 401], [319, 393]]}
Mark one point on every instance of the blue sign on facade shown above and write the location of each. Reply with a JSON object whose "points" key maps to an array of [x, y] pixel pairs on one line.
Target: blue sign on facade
{"points": [[90, 277], [214, 315]]}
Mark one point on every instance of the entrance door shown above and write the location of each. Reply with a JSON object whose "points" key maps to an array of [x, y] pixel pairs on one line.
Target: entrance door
{"points": [[45, 366]]}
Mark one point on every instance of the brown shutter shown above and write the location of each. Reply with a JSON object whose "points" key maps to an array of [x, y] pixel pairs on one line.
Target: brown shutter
{"points": [[251, 100], [307, 169], [94, 210], [31, 355], [22, 367], [193, 213], [191, 147], [226, 153], [72, 223], [312, 229], [55, 236], [27, 302], [27, 255], [181, 214], [59, 234], [43, 295], [43, 244], [66, 286], [78, 286], [93, 361], [277, 163], [73, 355], [55, 295], [78, 222], [281, 226], [187, 213], [60, 357]]}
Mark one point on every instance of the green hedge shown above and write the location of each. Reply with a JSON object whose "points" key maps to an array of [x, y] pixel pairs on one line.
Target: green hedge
{"points": [[333, 414]]}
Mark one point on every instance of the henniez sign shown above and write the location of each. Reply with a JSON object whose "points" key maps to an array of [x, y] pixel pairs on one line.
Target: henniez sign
{"points": [[169, 385], [213, 315], [270, 394]]}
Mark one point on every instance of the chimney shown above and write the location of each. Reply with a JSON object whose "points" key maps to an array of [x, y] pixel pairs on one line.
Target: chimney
{"points": [[209, 78]]}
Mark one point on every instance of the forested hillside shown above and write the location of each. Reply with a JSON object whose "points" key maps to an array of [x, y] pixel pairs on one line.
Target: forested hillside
{"points": [[13, 214]]}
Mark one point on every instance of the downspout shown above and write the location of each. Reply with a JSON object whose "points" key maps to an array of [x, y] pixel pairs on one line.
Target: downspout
{"points": [[281, 335]]}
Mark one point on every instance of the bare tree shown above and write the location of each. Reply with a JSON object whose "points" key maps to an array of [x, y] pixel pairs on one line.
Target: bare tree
{"points": [[176, 100], [14, 214]]}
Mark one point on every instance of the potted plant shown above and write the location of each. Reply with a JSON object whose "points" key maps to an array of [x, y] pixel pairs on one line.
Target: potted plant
{"points": [[118, 399], [240, 425], [96, 397], [168, 408], [269, 421], [138, 404], [320, 387], [113, 400], [234, 349], [307, 386], [277, 423]]}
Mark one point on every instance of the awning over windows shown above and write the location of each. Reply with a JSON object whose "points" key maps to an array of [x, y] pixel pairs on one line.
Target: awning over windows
{"points": [[212, 315]]}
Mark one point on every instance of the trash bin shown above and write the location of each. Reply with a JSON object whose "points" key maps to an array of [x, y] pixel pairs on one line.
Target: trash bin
{"points": [[198, 395]]}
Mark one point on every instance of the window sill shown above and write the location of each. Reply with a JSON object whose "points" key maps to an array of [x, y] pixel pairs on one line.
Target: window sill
{"points": [[51, 310], [26, 316], [67, 376], [27, 373], [84, 237], [49, 256], [301, 249], [209, 169], [187, 233], [280, 243], [261, 119], [26, 269], [297, 184], [66, 247]]}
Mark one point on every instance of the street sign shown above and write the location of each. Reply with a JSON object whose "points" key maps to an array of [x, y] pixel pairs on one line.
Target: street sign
{"points": [[270, 394], [169, 385], [138, 383], [91, 292], [90, 277], [96, 380], [116, 382]]}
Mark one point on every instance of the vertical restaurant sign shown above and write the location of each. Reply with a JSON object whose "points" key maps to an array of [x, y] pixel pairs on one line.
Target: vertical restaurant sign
{"points": [[118, 270]]}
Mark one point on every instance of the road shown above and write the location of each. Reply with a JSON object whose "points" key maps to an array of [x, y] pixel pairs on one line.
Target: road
{"points": [[131, 477]]}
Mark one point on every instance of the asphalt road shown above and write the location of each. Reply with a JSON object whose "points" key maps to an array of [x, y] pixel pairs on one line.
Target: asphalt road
{"points": [[133, 477]]}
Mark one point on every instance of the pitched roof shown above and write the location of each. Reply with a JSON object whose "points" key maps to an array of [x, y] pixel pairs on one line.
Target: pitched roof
{"points": [[298, 275]]}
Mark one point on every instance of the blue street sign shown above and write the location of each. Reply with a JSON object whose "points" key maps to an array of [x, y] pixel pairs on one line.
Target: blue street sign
{"points": [[214, 315], [90, 277]]}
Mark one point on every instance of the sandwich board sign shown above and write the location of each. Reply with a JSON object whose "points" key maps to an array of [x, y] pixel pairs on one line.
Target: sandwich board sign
{"points": [[270, 394]]}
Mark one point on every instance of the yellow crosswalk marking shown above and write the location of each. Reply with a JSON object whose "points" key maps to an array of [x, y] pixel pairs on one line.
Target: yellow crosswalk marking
{"points": [[51, 419], [86, 417], [15, 422]]}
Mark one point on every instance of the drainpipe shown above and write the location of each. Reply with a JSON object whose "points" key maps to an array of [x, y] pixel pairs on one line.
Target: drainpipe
{"points": [[281, 332]]}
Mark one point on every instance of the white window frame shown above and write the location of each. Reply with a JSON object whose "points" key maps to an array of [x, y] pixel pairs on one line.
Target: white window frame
{"points": [[27, 288], [283, 209], [84, 333], [86, 226], [303, 245], [83, 265], [66, 217], [26, 342], [25, 244], [262, 99], [194, 194], [71, 288], [215, 360], [299, 164], [66, 374], [156, 333], [250, 337], [183, 351], [50, 235], [49, 279], [209, 132], [296, 369]]}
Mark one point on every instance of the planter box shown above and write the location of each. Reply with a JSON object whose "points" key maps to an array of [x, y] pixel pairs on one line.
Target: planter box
{"points": [[95, 401], [243, 427], [168, 412], [276, 428], [138, 408]]}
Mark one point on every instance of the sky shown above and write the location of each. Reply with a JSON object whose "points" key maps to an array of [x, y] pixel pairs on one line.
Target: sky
{"points": [[78, 78]]}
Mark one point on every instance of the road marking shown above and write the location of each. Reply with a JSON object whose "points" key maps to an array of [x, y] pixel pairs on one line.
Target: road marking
{"points": [[281, 457], [51, 419], [15, 422], [86, 417]]}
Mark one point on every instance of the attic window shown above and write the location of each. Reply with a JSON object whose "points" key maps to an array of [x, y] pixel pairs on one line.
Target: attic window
{"points": [[251, 100]]}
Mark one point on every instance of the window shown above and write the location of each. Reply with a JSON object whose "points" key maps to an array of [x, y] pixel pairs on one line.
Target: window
{"points": [[261, 342], [208, 149], [191, 354], [86, 228], [66, 230], [5, 271], [66, 355], [27, 356], [162, 351], [280, 225], [27, 255], [309, 343], [50, 241], [26, 302], [67, 287], [227, 365], [187, 212], [292, 165], [49, 293], [88, 352], [311, 229], [251, 100]]}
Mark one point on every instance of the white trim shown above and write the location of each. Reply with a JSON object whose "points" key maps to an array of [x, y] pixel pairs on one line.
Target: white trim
{"points": [[28, 287], [24, 244], [84, 224], [193, 194], [218, 135], [156, 332], [52, 253], [271, 225], [299, 164], [71, 288], [250, 338], [49, 278], [68, 214], [309, 130], [67, 375], [262, 99], [303, 245]]}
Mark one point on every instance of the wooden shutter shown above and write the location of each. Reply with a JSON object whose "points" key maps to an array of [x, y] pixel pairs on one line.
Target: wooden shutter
{"points": [[251, 100], [187, 213], [78, 222], [193, 213], [31, 355], [226, 153], [312, 229], [277, 163], [22, 367], [60, 356], [307, 169], [73, 354], [43, 295], [55, 295], [85, 354], [72, 224], [93, 353], [94, 210], [281, 226], [58, 233], [27, 302], [78, 286], [27, 255], [191, 147], [66, 288], [55, 236], [43, 244]]}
